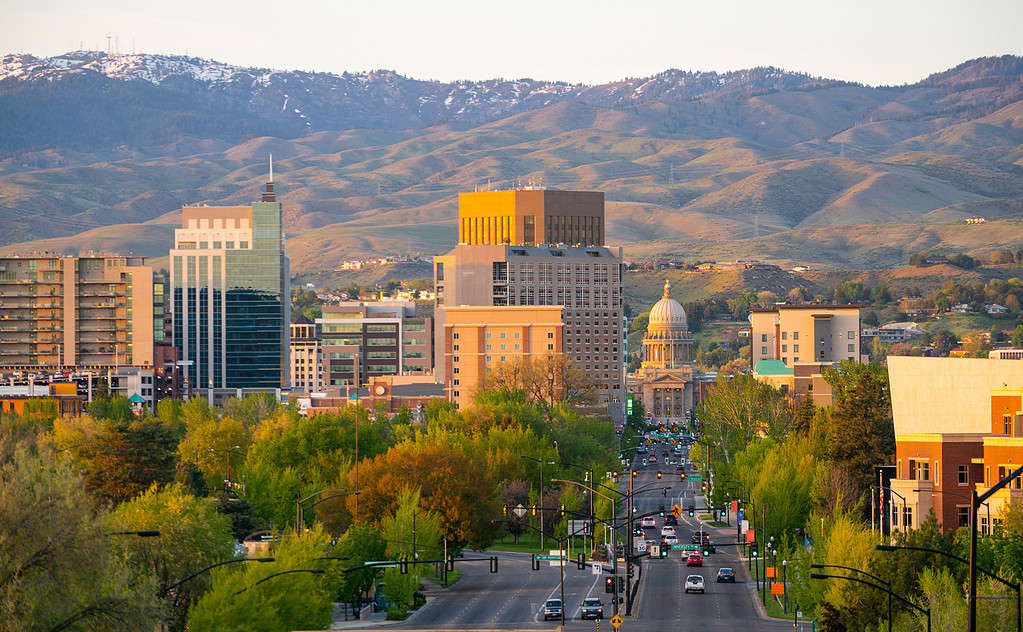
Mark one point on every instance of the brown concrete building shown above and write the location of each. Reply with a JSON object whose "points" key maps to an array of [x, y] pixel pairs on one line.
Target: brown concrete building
{"points": [[475, 338], [531, 217], [585, 281], [87, 312], [306, 358], [389, 393], [805, 333]]}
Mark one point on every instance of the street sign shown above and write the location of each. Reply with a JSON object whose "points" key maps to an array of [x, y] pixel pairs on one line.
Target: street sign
{"points": [[678, 547], [694, 477], [519, 510], [771, 571], [550, 558], [616, 621], [655, 550], [596, 569], [777, 589], [676, 511], [689, 547], [649, 440], [751, 535], [382, 564]]}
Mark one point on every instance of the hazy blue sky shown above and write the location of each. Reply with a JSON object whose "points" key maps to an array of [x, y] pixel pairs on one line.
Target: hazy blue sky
{"points": [[870, 41]]}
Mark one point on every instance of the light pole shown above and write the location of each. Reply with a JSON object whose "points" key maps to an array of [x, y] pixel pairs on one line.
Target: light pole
{"points": [[975, 500], [335, 493], [887, 584], [902, 498], [589, 472], [315, 571], [212, 566], [1014, 586], [235, 449], [541, 462], [926, 611]]}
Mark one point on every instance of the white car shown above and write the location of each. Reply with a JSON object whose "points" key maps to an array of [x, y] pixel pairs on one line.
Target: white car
{"points": [[647, 523], [694, 583], [670, 539], [668, 530]]}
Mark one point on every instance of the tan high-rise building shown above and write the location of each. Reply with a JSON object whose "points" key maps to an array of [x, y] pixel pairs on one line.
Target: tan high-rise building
{"points": [[805, 333], [306, 358], [475, 338], [85, 312], [531, 217], [585, 281]]}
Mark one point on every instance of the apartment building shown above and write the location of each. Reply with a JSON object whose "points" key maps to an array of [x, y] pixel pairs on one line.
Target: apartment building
{"points": [[477, 338], [531, 217], [363, 340], [230, 304], [585, 281], [64, 311], [958, 428], [805, 333]]}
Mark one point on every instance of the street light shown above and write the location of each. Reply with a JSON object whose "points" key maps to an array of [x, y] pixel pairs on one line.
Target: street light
{"points": [[887, 583], [541, 462], [589, 472], [152, 533], [974, 501], [299, 512], [212, 566], [315, 571], [235, 449], [926, 611], [1014, 586]]}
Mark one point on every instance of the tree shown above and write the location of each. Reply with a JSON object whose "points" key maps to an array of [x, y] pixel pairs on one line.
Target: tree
{"points": [[861, 433], [546, 380], [362, 543], [59, 568], [737, 410], [238, 602], [193, 535], [514, 493], [217, 449], [412, 532], [455, 486], [1017, 336], [944, 342]]}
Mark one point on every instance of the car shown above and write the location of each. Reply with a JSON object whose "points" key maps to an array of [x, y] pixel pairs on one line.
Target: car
{"points": [[650, 542], [668, 540], [697, 537], [668, 530], [694, 583], [670, 520], [592, 609], [552, 609], [647, 523], [726, 575], [694, 559]]}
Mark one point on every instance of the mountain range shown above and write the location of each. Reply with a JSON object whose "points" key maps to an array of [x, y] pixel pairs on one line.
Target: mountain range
{"points": [[97, 151]]}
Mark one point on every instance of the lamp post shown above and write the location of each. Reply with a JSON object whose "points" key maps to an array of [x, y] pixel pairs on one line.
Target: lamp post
{"points": [[926, 611], [902, 498], [887, 584], [335, 493], [1013, 585], [212, 566], [151, 533], [315, 571], [975, 501], [229, 451], [589, 472], [541, 462]]}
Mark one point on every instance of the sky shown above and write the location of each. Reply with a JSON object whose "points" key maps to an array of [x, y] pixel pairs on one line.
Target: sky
{"points": [[874, 42]]}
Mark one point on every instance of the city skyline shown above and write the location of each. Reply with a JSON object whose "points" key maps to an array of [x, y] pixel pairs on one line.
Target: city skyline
{"points": [[596, 43]]}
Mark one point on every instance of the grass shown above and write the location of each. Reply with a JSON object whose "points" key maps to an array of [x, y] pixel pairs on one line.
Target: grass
{"points": [[719, 523], [453, 576], [530, 543]]}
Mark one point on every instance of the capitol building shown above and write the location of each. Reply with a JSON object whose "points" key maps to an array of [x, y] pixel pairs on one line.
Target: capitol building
{"points": [[667, 382]]}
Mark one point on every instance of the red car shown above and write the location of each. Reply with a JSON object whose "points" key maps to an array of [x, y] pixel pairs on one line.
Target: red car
{"points": [[694, 559]]}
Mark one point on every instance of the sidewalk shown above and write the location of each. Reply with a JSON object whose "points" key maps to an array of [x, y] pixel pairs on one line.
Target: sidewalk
{"points": [[372, 619]]}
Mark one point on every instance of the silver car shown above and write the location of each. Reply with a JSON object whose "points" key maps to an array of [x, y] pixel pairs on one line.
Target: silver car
{"points": [[694, 583]]}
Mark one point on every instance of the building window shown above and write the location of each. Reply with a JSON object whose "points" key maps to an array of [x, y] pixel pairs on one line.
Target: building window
{"points": [[784, 335], [963, 515], [454, 347], [763, 337], [795, 349], [763, 350], [795, 335], [1006, 424], [852, 347], [964, 474], [490, 347], [784, 348], [455, 335], [550, 347], [455, 370], [924, 470], [440, 271], [550, 335]]}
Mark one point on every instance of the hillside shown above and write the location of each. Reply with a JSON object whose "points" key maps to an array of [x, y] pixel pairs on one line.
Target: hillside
{"points": [[759, 163]]}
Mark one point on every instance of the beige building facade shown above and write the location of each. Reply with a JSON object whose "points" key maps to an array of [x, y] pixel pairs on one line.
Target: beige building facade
{"points": [[805, 333], [478, 338], [306, 358], [84, 312]]}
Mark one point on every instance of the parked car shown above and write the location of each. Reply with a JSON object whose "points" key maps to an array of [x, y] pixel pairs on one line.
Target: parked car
{"points": [[552, 609], [592, 609], [726, 575], [694, 583]]}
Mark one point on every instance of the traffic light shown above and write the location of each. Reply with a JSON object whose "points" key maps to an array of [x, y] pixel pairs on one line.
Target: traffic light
{"points": [[658, 475], [634, 474], [664, 552], [580, 562], [403, 566], [493, 564], [629, 570], [535, 562], [692, 512], [621, 584], [753, 549], [609, 584], [706, 552], [451, 564], [661, 510]]}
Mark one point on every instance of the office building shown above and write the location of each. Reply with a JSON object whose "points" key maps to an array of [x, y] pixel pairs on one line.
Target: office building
{"points": [[478, 338], [230, 305], [958, 428], [805, 333], [359, 341], [585, 281], [531, 217], [305, 358], [89, 312]]}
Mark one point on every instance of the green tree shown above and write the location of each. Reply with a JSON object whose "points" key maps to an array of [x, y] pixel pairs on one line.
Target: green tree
{"points": [[361, 543], [861, 433], [216, 447], [59, 568], [737, 410], [238, 602], [1017, 336], [193, 535]]}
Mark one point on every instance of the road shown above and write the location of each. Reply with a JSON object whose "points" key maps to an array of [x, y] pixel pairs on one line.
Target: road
{"points": [[513, 598]]}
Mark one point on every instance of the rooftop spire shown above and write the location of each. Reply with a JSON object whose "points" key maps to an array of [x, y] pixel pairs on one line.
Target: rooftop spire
{"points": [[271, 168], [667, 288], [269, 195]]}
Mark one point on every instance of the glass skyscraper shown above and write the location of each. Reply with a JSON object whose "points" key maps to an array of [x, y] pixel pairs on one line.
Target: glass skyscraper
{"points": [[231, 295]]}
